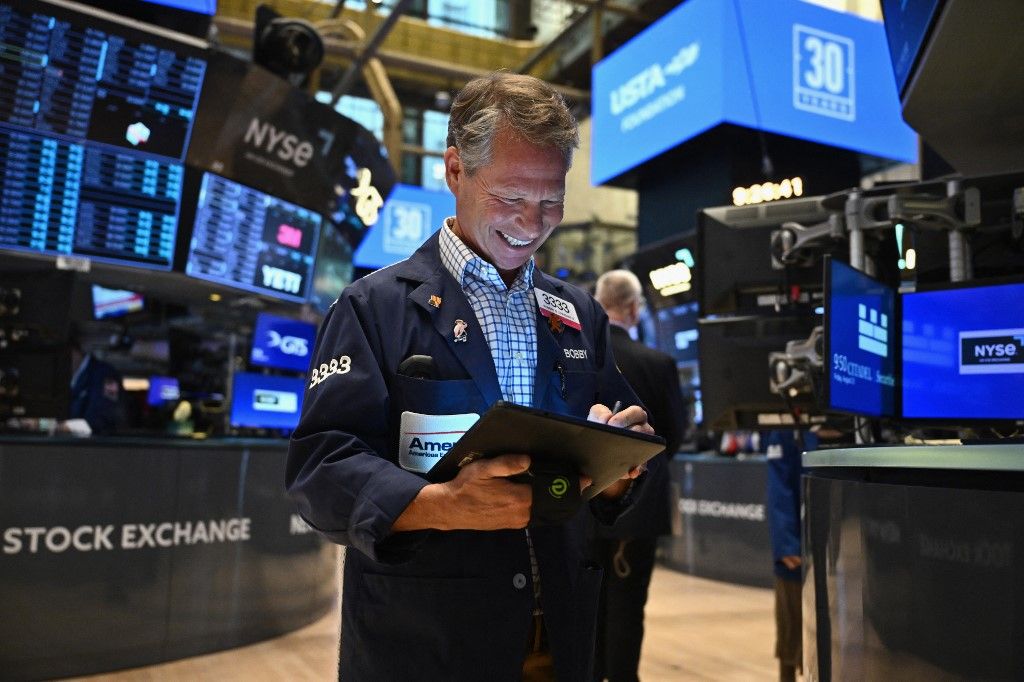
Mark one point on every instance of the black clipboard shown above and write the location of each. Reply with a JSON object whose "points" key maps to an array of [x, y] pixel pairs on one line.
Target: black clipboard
{"points": [[602, 452]]}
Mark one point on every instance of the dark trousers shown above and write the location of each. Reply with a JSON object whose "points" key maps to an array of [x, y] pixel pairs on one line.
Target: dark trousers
{"points": [[628, 565]]}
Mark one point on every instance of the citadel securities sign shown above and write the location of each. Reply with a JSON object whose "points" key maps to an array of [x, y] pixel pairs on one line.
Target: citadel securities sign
{"points": [[787, 67]]}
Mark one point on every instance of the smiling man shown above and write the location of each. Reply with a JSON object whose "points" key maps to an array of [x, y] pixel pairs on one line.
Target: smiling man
{"points": [[445, 581]]}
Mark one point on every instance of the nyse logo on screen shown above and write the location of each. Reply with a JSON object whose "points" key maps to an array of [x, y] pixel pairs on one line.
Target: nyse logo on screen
{"points": [[281, 143], [823, 73], [992, 351], [406, 225]]}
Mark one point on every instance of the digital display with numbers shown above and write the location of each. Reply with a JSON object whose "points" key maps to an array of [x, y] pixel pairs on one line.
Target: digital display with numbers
{"points": [[95, 119], [251, 240]]}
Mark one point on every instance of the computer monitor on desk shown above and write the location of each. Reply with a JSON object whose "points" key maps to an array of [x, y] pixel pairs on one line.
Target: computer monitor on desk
{"points": [[266, 402], [963, 353], [860, 342]]}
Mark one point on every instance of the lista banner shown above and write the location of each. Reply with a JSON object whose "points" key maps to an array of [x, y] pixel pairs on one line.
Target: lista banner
{"points": [[255, 128], [786, 67]]}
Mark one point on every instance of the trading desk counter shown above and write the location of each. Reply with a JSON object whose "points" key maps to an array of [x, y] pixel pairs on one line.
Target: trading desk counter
{"points": [[117, 553], [719, 524], [913, 558]]}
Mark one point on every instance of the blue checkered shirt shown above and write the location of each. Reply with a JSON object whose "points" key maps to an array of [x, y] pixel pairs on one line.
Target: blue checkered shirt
{"points": [[506, 315]]}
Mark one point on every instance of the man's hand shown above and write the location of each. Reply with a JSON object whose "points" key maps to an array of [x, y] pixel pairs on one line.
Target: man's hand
{"points": [[791, 562], [633, 418], [480, 497]]}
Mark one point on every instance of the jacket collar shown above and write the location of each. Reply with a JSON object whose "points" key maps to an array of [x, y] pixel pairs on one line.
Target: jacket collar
{"points": [[424, 268]]}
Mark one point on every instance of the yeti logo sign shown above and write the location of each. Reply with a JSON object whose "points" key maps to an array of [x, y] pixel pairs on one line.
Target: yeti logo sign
{"points": [[992, 351], [280, 143]]}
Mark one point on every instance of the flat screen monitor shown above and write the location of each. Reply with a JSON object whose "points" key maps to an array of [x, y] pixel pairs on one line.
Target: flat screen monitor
{"points": [[282, 343], [95, 118], [248, 239], [734, 371], [906, 27], [675, 332], [162, 390], [115, 302], [333, 270], [860, 342], [963, 353], [738, 274], [266, 402]]}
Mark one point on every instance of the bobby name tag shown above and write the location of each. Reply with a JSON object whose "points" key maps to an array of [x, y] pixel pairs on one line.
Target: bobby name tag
{"points": [[550, 305], [426, 438]]}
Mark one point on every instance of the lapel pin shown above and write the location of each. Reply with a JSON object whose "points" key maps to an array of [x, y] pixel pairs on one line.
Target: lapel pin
{"points": [[555, 323], [435, 300], [460, 331]]}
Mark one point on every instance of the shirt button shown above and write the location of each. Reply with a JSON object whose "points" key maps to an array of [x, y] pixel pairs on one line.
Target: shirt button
{"points": [[519, 581]]}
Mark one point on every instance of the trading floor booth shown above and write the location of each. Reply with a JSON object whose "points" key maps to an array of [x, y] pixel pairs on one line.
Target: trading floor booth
{"points": [[121, 552], [913, 563]]}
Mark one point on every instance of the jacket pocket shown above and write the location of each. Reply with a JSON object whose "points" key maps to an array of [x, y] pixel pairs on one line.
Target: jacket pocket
{"points": [[432, 396]]}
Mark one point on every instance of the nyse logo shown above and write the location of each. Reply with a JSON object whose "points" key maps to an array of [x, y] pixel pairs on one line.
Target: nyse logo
{"points": [[281, 143], [823, 73], [289, 345], [872, 331], [406, 226], [992, 351]]}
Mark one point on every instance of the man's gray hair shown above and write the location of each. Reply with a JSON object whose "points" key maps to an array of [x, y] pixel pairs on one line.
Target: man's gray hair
{"points": [[526, 106], [618, 289]]}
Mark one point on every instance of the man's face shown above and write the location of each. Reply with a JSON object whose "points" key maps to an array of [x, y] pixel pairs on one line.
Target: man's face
{"points": [[508, 208]]}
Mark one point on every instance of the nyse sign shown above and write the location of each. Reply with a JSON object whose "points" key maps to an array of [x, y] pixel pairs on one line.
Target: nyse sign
{"points": [[823, 73]]}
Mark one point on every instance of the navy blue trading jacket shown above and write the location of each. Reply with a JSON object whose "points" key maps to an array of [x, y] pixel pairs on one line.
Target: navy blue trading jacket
{"points": [[433, 605]]}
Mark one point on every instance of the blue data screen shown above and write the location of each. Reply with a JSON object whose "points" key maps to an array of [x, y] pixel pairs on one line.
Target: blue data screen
{"points": [[963, 353], [282, 343], [861, 343], [95, 118], [266, 402]]}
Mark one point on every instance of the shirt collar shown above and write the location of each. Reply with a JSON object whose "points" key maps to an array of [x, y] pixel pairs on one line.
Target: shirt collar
{"points": [[465, 265]]}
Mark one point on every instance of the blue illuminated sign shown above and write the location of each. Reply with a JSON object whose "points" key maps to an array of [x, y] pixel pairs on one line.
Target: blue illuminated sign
{"points": [[282, 343], [861, 346], [786, 67], [963, 353], [266, 402], [408, 217]]}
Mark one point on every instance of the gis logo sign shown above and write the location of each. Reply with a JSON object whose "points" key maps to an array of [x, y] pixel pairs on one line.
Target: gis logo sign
{"points": [[289, 345], [406, 225], [992, 351], [823, 73]]}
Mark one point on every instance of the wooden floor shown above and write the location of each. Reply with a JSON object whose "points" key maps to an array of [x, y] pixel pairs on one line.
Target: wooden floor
{"points": [[696, 630]]}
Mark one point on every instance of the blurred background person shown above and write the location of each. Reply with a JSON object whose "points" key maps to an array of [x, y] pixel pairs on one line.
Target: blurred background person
{"points": [[627, 553], [783, 451]]}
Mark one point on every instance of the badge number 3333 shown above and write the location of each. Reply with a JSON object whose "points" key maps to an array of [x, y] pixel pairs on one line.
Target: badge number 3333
{"points": [[339, 365]]}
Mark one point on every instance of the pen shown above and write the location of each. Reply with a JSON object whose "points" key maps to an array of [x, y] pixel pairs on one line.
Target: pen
{"points": [[617, 407]]}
